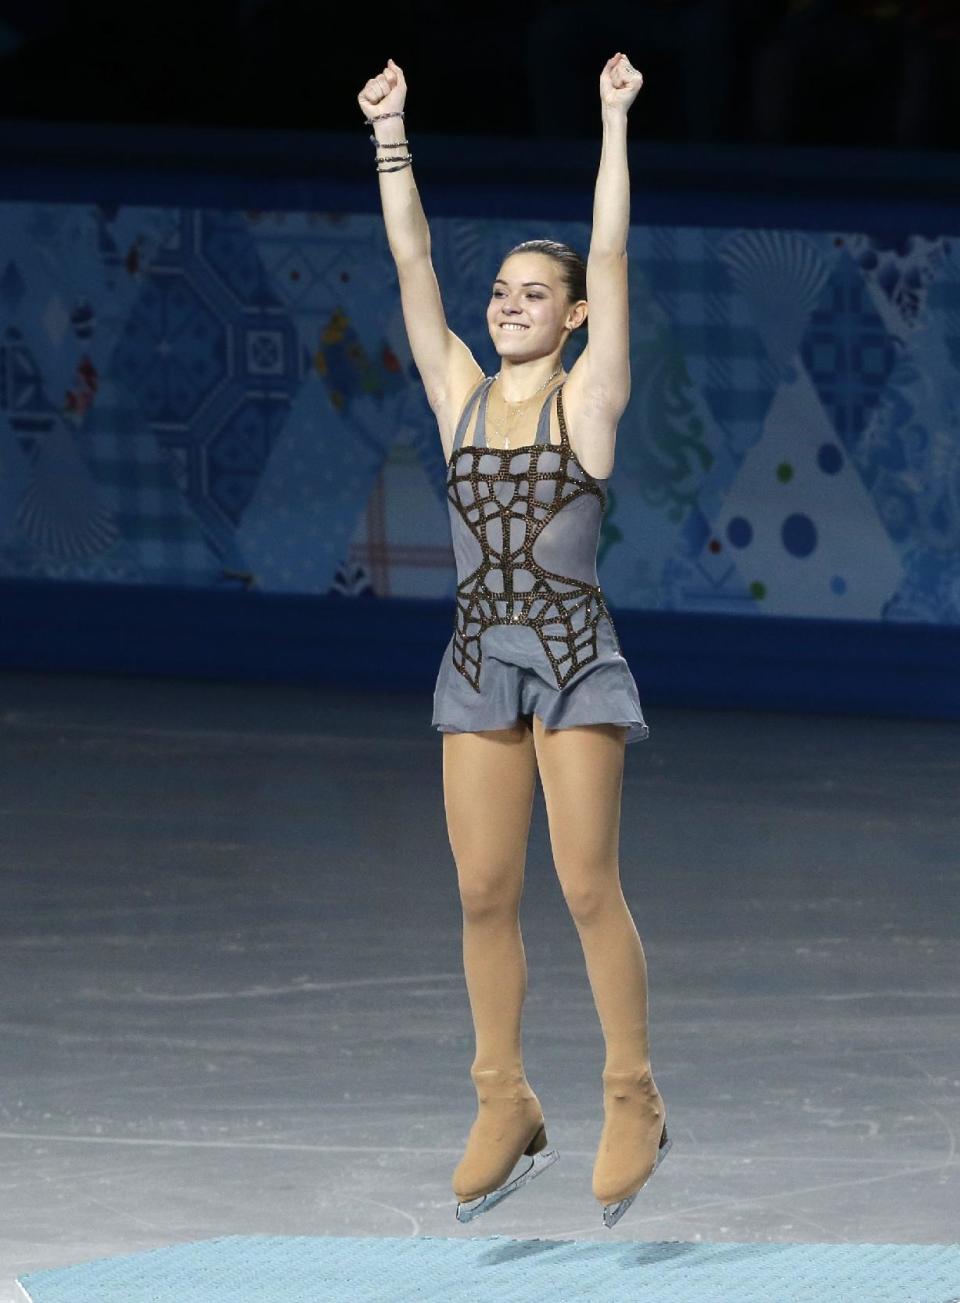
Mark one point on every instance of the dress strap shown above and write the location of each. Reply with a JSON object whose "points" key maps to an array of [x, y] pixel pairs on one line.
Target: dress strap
{"points": [[543, 425], [560, 416], [468, 412], [480, 433]]}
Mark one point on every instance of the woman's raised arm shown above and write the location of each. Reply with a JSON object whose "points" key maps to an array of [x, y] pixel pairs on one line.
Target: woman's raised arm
{"points": [[599, 382], [447, 367]]}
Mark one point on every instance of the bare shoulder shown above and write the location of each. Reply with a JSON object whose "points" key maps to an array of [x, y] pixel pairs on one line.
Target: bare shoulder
{"points": [[464, 373], [591, 426]]}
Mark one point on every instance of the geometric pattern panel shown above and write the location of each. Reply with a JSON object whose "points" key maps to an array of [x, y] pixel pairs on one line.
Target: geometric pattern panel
{"points": [[508, 501], [335, 1269], [847, 352], [198, 397]]}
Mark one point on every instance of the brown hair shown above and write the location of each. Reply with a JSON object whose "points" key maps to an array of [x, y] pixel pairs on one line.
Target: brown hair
{"points": [[572, 267]]}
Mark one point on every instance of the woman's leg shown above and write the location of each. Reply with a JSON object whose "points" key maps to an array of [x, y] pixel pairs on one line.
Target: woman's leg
{"points": [[488, 787], [582, 773]]}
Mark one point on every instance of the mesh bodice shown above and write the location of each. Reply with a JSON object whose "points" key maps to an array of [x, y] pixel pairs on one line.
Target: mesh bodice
{"points": [[525, 524]]}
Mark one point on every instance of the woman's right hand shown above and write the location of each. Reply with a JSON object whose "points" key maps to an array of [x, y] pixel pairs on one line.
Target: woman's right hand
{"points": [[384, 93]]}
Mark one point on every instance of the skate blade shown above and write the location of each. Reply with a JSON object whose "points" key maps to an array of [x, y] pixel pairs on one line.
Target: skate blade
{"points": [[612, 1212], [474, 1207]]}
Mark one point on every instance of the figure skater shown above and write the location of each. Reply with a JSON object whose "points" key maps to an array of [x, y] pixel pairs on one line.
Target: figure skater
{"points": [[533, 678]]}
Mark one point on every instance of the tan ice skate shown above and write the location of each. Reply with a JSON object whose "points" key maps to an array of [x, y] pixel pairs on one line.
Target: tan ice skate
{"points": [[509, 1127], [633, 1142]]}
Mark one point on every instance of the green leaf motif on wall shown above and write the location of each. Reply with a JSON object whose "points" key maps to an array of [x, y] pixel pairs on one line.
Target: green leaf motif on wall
{"points": [[669, 456]]}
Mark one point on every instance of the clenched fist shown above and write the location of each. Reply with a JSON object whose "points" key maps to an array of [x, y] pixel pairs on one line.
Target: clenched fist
{"points": [[384, 93], [620, 83]]}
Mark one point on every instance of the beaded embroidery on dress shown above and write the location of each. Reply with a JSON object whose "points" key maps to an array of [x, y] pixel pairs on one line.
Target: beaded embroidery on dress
{"points": [[525, 525]]}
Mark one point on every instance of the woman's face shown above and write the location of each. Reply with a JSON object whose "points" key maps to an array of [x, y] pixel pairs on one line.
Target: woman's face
{"points": [[528, 307]]}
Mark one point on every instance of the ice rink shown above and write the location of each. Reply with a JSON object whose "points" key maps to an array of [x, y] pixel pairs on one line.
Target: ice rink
{"points": [[233, 1000]]}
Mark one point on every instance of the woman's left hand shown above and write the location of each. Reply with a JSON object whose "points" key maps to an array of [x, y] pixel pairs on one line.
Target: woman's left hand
{"points": [[620, 83]]}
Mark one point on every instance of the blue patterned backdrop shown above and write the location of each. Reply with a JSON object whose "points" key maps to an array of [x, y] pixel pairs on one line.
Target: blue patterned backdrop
{"points": [[196, 396]]}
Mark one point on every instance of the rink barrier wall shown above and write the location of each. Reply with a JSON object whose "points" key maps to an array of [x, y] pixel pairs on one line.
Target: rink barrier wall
{"points": [[678, 658]]}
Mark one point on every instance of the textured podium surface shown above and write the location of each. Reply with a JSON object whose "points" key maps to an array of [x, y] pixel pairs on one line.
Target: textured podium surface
{"points": [[302, 1269]]}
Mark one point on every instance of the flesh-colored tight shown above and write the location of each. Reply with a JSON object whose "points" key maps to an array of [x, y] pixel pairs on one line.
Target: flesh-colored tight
{"points": [[488, 782]]}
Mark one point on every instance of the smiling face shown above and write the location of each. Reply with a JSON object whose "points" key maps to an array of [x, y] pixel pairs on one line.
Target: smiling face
{"points": [[529, 307]]}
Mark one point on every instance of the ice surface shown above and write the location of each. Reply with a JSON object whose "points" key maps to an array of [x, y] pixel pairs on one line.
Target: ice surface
{"points": [[233, 1000]]}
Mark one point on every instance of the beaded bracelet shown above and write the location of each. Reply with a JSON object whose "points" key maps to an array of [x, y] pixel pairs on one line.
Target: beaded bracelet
{"points": [[404, 162], [380, 116], [388, 144]]}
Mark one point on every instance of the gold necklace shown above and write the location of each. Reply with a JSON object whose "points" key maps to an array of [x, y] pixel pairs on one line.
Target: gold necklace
{"points": [[512, 418]]}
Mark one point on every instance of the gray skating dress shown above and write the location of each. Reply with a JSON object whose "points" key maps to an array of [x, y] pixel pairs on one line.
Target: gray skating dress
{"points": [[532, 631]]}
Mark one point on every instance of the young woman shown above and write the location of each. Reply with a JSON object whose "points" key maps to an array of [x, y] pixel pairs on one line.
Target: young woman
{"points": [[533, 678]]}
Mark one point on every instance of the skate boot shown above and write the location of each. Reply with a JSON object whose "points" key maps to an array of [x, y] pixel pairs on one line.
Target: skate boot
{"points": [[509, 1127], [633, 1142]]}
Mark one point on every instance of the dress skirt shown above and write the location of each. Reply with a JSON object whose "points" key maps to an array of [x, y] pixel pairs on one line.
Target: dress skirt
{"points": [[517, 679]]}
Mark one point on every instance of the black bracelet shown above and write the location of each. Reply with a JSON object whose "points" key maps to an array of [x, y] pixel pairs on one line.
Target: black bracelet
{"points": [[406, 163]]}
